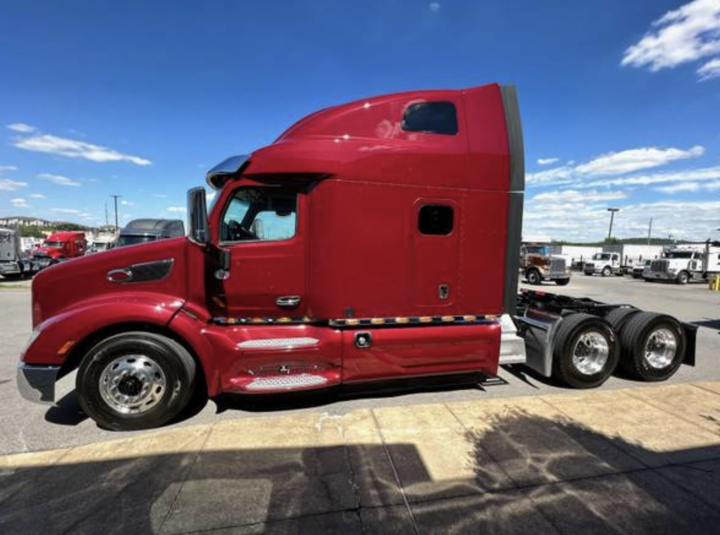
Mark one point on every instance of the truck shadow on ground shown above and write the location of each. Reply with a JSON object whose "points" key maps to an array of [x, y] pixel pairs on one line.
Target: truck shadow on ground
{"points": [[518, 473]]}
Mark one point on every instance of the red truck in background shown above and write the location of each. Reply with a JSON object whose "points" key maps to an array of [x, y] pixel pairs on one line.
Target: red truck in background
{"points": [[373, 240], [59, 246]]}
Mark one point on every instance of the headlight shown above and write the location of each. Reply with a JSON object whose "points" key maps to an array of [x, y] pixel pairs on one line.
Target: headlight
{"points": [[672, 270]]}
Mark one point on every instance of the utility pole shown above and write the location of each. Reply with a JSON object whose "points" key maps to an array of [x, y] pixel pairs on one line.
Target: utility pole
{"points": [[650, 231], [115, 198], [612, 217], [106, 214]]}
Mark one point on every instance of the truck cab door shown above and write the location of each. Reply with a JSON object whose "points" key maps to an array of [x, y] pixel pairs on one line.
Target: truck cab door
{"points": [[262, 229]]}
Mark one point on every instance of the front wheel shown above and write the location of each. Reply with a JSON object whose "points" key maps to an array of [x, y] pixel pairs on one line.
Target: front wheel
{"points": [[562, 282], [533, 277], [135, 380], [683, 277], [606, 272]]}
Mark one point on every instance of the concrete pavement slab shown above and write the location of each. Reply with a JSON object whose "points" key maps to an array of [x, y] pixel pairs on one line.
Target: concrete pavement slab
{"points": [[697, 405], [535, 443], [634, 503], [443, 462], [712, 386], [649, 434]]}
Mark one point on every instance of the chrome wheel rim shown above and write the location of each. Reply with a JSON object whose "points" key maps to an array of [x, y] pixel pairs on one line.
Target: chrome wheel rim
{"points": [[660, 348], [590, 353], [132, 384]]}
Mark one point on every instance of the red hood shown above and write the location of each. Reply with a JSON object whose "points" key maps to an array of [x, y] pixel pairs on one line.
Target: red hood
{"points": [[64, 285], [52, 252]]}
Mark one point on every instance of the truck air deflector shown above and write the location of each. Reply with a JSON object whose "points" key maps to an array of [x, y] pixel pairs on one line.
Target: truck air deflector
{"points": [[218, 175], [516, 196]]}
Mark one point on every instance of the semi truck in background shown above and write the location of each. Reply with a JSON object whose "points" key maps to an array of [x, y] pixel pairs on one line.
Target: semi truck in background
{"points": [[379, 220], [537, 264], [149, 230], [686, 263], [102, 241], [14, 263], [59, 246], [620, 259]]}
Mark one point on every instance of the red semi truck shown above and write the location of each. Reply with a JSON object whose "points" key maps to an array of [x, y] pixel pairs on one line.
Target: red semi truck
{"points": [[355, 248], [59, 246]]}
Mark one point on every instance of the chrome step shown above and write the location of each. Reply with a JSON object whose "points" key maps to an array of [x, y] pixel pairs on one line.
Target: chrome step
{"points": [[512, 347], [286, 382]]}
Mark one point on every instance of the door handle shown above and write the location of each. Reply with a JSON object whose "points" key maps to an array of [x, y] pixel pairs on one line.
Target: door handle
{"points": [[288, 301]]}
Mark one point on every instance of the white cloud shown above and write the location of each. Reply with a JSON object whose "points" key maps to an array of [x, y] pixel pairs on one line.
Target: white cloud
{"points": [[434, 6], [11, 185], [38, 196], [59, 180], [557, 175], [575, 196], [160, 195], [177, 209], [66, 211], [687, 34], [210, 196], [685, 175], [21, 127], [19, 203], [586, 223], [127, 203], [72, 148], [547, 161], [682, 187], [7, 168], [627, 161], [710, 70]]}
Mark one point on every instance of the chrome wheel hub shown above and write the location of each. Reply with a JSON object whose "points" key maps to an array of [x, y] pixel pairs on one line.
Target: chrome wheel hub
{"points": [[132, 384], [660, 348], [591, 353]]}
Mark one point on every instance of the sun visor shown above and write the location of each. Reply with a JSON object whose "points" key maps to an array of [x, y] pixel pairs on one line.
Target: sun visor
{"points": [[218, 175]]}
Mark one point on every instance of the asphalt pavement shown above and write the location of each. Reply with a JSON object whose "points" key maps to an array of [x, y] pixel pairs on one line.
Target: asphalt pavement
{"points": [[30, 427]]}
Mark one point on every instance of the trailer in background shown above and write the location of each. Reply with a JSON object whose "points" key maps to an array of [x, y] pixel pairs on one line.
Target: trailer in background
{"points": [[14, 263], [685, 263], [575, 255], [620, 259]]}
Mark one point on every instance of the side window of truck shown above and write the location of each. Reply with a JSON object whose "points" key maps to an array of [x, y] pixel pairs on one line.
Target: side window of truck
{"points": [[435, 219], [260, 214], [431, 118]]}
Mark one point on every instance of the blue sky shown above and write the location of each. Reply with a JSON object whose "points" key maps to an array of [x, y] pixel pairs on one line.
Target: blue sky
{"points": [[620, 99]]}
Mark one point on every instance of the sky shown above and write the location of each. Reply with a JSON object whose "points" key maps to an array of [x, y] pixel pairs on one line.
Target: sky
{"points": [[620, 99]]}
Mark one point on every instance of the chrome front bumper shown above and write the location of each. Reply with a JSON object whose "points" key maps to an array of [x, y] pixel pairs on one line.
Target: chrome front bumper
{"points": [[37, 383]]}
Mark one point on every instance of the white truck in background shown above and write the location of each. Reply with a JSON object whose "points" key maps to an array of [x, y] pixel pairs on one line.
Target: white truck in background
{"points": [[686, 263], [620, 259], [14, 263]]}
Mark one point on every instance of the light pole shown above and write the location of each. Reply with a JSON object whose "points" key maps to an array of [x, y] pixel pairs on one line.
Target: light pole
{"points": [[115, 198], [612, 217]]}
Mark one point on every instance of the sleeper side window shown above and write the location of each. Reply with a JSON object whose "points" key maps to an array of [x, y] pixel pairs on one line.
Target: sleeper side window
{"points": [[435, 219], [431, 118], [260, 214]]}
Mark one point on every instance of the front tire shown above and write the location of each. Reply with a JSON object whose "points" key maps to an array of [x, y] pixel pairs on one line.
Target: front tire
{"points": [[585, 352], [606, 272], [135, 380], [562, 282], [683, 277], [533, 277]]}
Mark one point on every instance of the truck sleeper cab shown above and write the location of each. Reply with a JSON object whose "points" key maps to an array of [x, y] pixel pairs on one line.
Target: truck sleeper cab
{"points": [[345, 252]]}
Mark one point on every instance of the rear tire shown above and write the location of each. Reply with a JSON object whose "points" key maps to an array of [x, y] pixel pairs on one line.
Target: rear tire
{"points": [[585, 351], [135, 380], [533, 277], [647, 341], [618, 317]]}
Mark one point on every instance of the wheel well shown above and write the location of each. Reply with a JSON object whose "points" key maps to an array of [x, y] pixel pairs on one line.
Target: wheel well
{"points": [[80, 350]]}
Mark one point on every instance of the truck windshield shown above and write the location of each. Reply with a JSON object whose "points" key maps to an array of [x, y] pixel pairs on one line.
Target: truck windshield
{"points": [[53, 244], [129, 239], [601, 256], [679, 254], [545, 251]]}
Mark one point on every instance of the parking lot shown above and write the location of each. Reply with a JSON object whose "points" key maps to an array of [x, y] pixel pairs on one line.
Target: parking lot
{"points": [[30, 427]]}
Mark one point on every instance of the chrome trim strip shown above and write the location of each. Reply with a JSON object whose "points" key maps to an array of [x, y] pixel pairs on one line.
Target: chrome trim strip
{"points": [[36, 383], [285, 343]]}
